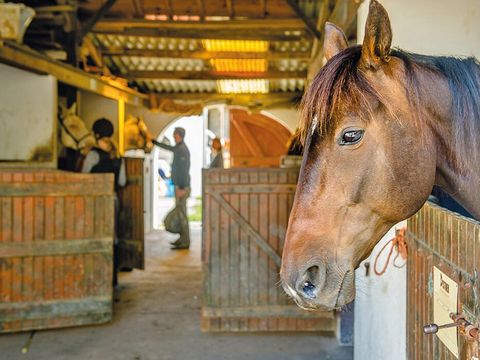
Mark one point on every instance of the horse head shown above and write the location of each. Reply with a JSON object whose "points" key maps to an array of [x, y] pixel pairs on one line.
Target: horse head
{"points": [[373, 121], [74, 133], [137, 135]]}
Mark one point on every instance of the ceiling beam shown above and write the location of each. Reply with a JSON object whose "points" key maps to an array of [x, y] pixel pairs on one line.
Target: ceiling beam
{"points": [[249, 100], [88, 26], [343, 15], [138, 7], [226, 34], [206, 55], [230, 10], [201, 9], [26, 59], [268, 29], [170, 9], [259, 97], [263, 7], [212, 75], [312, 28]]}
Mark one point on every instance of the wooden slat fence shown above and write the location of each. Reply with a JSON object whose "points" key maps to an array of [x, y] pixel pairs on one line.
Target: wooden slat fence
{"points": [[438, 237]]}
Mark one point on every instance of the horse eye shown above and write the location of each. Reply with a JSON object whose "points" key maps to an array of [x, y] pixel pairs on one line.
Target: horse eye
{"points": [[351, 137]]}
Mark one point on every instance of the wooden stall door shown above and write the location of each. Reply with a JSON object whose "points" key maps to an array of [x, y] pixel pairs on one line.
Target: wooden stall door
{"points": [[245, 219], [56, 244], [445, 240], [256, 140], [131, 234]]}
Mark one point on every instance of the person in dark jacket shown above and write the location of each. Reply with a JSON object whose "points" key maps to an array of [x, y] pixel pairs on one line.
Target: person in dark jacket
{"points": [[181, 180], [104, 158]]}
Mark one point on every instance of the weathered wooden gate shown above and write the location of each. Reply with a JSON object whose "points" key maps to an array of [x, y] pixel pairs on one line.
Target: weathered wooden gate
{"points": [[131, 232], [245, 218], [56, 241], [445, 240]]}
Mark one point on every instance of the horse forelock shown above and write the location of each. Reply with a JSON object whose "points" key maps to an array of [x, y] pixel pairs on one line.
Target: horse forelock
{"points": [[339, 84]]}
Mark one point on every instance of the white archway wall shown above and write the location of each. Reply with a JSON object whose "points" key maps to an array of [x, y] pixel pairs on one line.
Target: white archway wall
{"points": [[288, 117], [433, 27]]}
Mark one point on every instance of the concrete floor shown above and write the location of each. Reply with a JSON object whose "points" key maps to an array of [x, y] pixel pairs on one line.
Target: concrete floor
{"points": [[157, 317]]}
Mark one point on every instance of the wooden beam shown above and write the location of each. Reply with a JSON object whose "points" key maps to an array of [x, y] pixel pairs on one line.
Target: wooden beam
{"points": [[209, 97], [247, 138], [94, 19], [201, 9], [138, 6], [206, 55], [170, 9], [230, 9], [343, 15], [20, 57], [213, 75], [256, 29], [307, 21], [263, 6], [252, 101]]}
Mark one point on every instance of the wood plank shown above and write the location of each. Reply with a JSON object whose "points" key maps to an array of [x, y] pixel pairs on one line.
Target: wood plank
{"points": [[136, 75], [34, 310], [121, 25], [311, 26], [59, 189], [55, 248], [246, 137], [30, 60], [265, 311], [205, 55], [255, 236]]}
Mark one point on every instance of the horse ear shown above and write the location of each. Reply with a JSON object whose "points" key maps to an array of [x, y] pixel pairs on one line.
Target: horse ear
{"points": [[378, 37], [335, 40], [73, 109]]}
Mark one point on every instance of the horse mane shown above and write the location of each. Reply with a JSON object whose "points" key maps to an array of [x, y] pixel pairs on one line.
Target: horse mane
{"points": [[340, 81]]}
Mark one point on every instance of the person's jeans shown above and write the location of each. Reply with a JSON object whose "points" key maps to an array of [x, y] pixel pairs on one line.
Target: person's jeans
{"points": [[181, 196]]}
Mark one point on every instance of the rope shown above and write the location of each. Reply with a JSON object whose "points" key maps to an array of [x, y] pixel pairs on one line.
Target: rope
{"points": [[397, 242]]}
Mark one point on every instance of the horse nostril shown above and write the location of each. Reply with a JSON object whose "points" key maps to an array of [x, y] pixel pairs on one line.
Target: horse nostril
{"points": [[309, 289], [310, 282]]}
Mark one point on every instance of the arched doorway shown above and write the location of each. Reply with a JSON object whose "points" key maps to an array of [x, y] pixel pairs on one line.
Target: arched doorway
{"points": [[256, 140]]}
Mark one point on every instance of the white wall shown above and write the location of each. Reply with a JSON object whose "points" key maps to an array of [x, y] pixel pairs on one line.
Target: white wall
{"points": [[28, 115], [92, 107], [287, 116], [434, 27]]}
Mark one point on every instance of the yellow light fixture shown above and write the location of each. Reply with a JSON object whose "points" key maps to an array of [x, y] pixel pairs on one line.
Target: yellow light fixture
{"points": [[239, 65], [245, 86], [236, 45]]}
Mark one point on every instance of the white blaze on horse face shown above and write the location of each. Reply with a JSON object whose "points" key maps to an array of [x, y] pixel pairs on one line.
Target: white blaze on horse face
{"points": [[314, 124]]}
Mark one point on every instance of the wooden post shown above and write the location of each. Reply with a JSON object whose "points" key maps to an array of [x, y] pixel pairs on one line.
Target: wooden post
{"points": [[121, 121]]}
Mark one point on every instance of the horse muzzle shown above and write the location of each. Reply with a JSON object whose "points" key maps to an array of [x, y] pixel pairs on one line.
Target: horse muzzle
{"points": [[317, 287]]}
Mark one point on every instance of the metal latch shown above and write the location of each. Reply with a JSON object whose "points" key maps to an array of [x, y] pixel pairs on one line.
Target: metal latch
{"points": [[458, 321]]}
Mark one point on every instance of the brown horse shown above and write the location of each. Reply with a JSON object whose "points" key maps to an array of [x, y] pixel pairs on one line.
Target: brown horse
{"points": [[380, 128], [137, 135]]}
